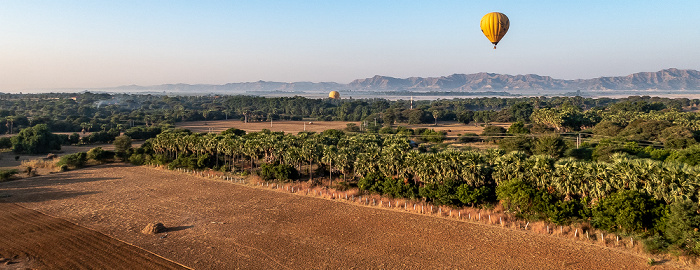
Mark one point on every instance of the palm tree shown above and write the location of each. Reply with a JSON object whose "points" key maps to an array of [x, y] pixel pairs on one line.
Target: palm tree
{"points": [[10, 123], [85, 126], [540, 170], [436, 114], [312, 151], [509, 166], [250, 149], [330, 152]]}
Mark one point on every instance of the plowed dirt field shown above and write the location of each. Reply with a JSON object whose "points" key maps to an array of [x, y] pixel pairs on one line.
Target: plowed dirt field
{"points": [[29, 239], [220, 225], [294, 127]]}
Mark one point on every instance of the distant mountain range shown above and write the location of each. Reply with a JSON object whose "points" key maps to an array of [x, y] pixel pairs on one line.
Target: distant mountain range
{"points": [[667, 79]]}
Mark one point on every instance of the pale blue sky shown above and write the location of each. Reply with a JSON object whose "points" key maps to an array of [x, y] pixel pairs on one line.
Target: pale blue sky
{"points": [[84, 44]]}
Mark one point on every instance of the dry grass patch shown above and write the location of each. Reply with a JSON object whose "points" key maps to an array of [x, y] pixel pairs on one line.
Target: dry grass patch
{"points": [[33, 167], [40, 163]]}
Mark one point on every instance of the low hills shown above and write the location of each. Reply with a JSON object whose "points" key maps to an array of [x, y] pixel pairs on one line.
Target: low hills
{"points": [[667, 79]]}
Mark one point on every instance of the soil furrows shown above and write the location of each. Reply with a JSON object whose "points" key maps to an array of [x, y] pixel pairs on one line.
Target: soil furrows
{"points": [[53, 243]]}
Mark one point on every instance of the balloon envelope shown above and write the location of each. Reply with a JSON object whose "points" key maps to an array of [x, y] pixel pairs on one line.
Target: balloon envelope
{"points": [[334, 95], [494, 26]]}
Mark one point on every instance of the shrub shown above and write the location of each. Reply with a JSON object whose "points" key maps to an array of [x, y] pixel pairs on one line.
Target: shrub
{"points": [[474, 195], [386, 130], [517, 143], [430, 135], [267, 171], [606, 148], [677, 137], [690, 155], [518, 128], [234, 131], [583, 153], [469, 137], [159, 159], [372, 182], [490, 131], [287, 172], [657, 154], [397, 188], [541, 128], [607, 128], [516, 195], [76, 160], [139, 159], [63, 168], [281, 172], [627, 211], [655, 243], [142, 133], [74, 138], [641, 129], [7, 174], [549, 145], [203, 161], [682, 227], [101, 136], [562, 212], [5, 142], [352, 127], [99, 155], [440, 193], [405, 131], [183, 161]]}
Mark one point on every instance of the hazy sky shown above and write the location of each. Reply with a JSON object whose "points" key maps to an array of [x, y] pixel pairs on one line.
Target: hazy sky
{"points": [[85, 44]]}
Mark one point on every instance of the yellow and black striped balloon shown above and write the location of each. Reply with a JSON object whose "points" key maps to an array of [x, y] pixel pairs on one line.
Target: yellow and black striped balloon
{"points": [[494, 26]]}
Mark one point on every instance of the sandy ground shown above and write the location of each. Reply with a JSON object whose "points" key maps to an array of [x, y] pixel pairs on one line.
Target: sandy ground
{"points": [[293, 127], [221, 225], [452, 128]]}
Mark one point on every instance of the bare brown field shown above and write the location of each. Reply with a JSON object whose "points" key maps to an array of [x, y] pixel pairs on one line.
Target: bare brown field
{"points": [[456, 128], [220, 225], [32, 240], [294, 127]]}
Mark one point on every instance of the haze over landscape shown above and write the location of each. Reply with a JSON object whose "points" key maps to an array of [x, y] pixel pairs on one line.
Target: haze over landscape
{"points": [[83, 44], [668, 79]]}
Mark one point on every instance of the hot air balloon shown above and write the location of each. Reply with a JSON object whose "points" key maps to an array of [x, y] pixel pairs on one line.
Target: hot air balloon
{"points": [[334, 95], [494, 26]]}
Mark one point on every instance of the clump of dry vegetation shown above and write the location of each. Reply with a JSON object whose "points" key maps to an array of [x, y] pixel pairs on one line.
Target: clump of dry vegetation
{"points": [[40, 163], [33, 167]]}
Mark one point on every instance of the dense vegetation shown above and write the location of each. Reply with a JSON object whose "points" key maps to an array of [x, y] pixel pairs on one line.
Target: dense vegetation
{"points": [[65, 112]]}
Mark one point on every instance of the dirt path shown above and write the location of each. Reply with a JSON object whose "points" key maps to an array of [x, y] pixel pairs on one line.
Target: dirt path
{"points": [[30, 239], [220, 225]]}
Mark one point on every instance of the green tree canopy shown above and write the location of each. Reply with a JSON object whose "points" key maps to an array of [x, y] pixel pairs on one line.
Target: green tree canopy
{"points": [[35, 140], [122, 144]]}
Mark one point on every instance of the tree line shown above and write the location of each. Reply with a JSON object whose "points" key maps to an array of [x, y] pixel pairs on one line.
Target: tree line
{"points": [[90, 112]]}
